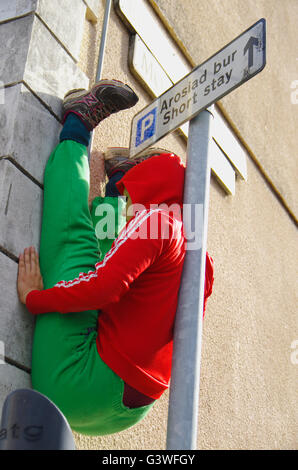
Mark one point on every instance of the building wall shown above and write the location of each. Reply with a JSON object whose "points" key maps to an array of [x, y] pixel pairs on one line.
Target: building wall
{"points": [[262, 110], [38, 65], [248, 389], [248, 395]]}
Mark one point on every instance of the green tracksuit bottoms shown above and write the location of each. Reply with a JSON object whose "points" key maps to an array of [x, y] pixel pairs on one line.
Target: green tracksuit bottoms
{"points": [[66, 366]]}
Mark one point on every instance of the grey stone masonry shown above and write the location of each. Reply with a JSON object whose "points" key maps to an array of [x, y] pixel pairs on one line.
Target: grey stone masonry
{"points": [[20, 209], [39, 48], [15, 8], [65, 19], [32, 55], [16, 36], [50, 71], [16, 323], [28, 132]]}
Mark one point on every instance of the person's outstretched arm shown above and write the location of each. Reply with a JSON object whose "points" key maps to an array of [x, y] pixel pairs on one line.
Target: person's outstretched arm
{"points": [[129, 256]]}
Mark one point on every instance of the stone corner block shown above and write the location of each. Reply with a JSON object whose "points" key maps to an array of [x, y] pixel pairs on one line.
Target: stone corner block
{"points": [[10, 9], [14, 39], [16, 323], [28, 132], [52, 74], [20, 209], [33, 55], [66, 21]]}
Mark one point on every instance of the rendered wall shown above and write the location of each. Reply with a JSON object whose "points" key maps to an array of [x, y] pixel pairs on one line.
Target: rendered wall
{"points": [[248, 379]]}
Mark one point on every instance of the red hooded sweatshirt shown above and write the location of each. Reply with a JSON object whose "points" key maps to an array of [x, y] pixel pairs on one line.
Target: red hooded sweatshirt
{"points": [[136, 285]]}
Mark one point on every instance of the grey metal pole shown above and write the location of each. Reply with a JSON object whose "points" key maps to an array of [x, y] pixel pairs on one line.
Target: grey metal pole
{"points": [[103, 39], [185, 381], [101, 54]]}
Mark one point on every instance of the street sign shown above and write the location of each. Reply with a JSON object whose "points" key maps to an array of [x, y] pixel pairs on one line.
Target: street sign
{"points": [[229, 68]]}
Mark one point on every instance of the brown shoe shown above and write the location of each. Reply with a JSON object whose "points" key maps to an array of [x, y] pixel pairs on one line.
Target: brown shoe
{"points": [[104, 98], [117, 158]]}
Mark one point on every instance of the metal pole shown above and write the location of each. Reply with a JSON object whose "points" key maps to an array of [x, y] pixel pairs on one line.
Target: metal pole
{"points": [[103, 39], [185, 381], [101, 54]]}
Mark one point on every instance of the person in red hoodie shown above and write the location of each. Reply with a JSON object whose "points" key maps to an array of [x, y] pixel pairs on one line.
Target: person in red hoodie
{"points": [[105, 305]]}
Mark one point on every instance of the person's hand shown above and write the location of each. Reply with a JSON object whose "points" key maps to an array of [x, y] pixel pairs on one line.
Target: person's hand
{"points": [[29, 277]]}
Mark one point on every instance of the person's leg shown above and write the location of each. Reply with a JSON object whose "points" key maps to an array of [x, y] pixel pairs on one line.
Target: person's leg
{"points": [[66, 365], [111, 188], [67, 238], [68, 246], [108, 215]]}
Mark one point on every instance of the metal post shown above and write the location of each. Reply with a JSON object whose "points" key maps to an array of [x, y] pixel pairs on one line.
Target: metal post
{"points": [[185, 381], [103, 40], [101, 54]]}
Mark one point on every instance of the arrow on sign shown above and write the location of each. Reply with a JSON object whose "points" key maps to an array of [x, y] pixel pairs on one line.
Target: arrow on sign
{"points": [[250, 48]]}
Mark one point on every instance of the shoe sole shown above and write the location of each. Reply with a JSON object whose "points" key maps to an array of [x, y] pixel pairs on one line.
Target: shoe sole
{"points": [[113, 152], [81, 92], [74, 94]]}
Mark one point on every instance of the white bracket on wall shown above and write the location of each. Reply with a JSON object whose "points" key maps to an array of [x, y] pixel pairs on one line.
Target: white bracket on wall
{"points": [[158, 68]]}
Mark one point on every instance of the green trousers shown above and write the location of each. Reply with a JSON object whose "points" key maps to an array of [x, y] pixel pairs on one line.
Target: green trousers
{"points": [[66, 366]]}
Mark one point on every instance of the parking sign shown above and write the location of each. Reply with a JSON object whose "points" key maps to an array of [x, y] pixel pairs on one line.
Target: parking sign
{"points": [[146, 126], [229, 68]]}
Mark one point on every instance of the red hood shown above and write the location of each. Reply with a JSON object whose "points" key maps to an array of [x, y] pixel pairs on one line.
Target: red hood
{"points": [[157, 180]]}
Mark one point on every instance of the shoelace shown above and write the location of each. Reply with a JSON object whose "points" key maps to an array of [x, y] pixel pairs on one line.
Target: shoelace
{"points": [[100, 111], [114, 167]]}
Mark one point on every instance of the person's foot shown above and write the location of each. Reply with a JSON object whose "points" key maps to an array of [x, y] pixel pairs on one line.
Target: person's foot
{"points": [[117, 158], [105, 98]]}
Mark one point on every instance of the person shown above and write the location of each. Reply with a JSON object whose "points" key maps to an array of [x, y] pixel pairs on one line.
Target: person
{"points": [[105, 303]]}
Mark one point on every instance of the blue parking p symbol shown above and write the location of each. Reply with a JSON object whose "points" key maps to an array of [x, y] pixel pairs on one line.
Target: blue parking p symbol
{"points": [[146, 127]]}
